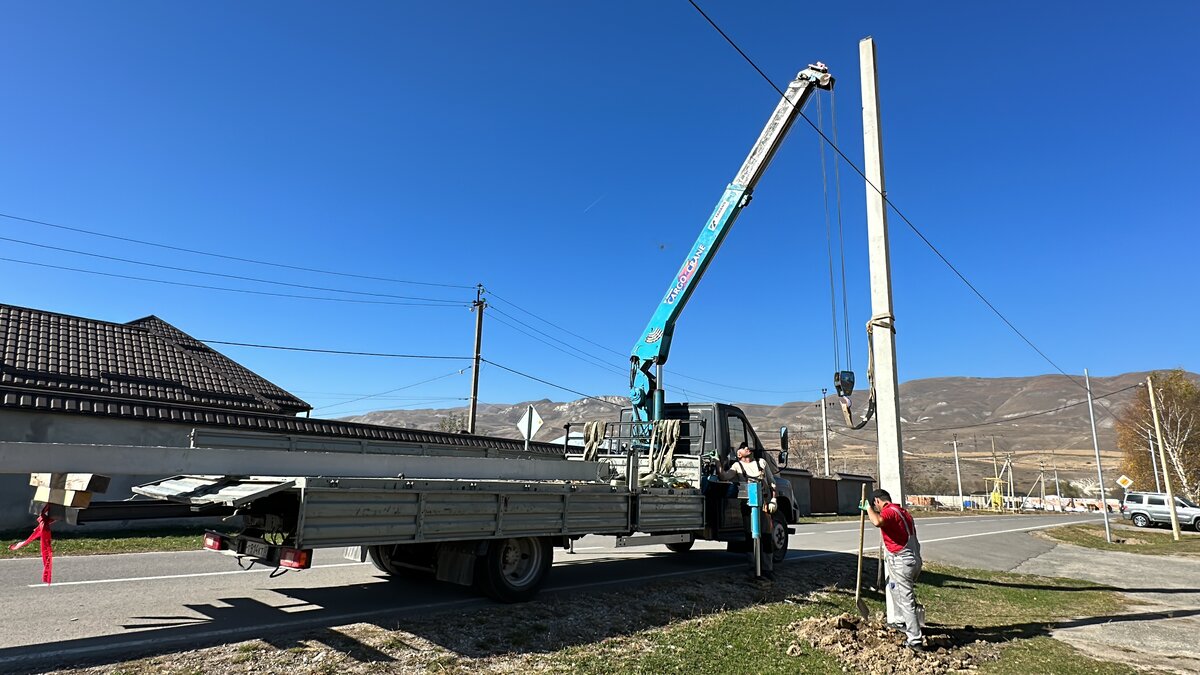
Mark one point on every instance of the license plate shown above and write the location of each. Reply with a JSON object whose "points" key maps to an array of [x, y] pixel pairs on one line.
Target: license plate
{"points": [[256, 549]]}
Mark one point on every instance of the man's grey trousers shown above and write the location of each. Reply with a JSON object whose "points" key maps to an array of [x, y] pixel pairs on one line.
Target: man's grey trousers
{"points": [[903, 570]]}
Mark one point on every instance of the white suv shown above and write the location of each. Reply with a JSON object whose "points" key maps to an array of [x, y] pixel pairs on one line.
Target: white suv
{"points": [[1148, 508]]}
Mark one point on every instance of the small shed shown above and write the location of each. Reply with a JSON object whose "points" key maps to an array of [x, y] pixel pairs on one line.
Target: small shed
{"points": [[849, 491], [801, 488]]}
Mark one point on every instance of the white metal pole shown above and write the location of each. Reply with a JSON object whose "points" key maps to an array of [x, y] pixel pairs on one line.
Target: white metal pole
{"points": [[961, 505], [528, 426], [1099, 470], [825, 429], [1162, 455]]}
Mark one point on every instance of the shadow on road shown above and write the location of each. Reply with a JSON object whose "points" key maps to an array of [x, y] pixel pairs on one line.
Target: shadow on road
{"points": [[582, 603]]}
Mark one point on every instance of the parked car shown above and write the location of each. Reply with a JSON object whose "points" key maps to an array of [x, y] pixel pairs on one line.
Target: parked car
{"points": [[1148, 508]]}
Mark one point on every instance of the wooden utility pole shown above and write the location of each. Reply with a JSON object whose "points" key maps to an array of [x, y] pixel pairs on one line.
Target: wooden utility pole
{"points": [[1162, 455], [476, 307], [883, 342]]}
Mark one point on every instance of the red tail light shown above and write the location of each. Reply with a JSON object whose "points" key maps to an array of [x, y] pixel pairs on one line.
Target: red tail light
{"points": [[212, 541], [295, 558]]}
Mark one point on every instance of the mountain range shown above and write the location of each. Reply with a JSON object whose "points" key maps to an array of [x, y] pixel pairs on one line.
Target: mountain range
{"points": [[1041, 421]]}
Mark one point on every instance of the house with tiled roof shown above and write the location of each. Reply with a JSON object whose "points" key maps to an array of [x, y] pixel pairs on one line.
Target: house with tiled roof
{"points": [[69, 379]]}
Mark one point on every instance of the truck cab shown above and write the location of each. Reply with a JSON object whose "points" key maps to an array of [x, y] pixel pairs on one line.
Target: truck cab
{"points": [[713, 431]]}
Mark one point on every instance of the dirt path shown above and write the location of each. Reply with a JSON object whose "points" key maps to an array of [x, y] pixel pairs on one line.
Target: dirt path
{"points": [[1162, 631]]}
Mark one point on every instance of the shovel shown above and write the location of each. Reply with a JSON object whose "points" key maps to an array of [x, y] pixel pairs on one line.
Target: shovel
{"points": [[862, 531]]}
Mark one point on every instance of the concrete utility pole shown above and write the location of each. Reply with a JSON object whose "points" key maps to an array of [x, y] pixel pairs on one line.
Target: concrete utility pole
{"points": [[1162, 455], [961, 505], [1012, 482], [1153, 461], [476, 307], [825, 429], [1057, 487], [883, 321], [1099, 470]]}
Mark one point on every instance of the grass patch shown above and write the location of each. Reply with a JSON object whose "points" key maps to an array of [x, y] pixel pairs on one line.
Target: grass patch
{"points": [[1047, 655], [1131, 541], [1011, 614], [749, 640], [107, 542]]}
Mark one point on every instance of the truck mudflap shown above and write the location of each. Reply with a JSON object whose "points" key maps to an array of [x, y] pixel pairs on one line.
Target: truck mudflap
{"points": [[259, 550]]}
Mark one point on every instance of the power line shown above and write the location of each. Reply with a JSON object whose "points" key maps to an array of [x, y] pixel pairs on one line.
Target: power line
{"points": [[230, 257], [547, 382], [440, 303], [886, 200], [225, 276], [607, 368], [392, 391], [336, 351], [626, 356]]}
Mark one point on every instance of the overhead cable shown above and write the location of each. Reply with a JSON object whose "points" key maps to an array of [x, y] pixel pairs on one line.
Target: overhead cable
{"points": [[625, 356], [337, 351], [888, 201], [230, 257], [440, 303], [547, 382], [391, 391], [226, 276]]}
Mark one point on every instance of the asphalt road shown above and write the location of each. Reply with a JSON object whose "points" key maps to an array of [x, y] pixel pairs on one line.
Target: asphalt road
{"points": [[136, 604]]}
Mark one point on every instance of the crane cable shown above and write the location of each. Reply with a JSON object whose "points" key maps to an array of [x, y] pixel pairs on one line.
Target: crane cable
{"points": [[844, 386], [837, 359]]}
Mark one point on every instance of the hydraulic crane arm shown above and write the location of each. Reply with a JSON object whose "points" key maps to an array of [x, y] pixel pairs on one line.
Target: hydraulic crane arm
{"points": [[654, 346]]}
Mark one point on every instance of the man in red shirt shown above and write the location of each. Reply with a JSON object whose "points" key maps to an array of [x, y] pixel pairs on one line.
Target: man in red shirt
{"points": [[903, 558]]}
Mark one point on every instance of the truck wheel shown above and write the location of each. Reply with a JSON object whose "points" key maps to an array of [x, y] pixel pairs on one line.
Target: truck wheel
{"points": [[779, 535], [683, 546], [387, 559], [513, 570]]}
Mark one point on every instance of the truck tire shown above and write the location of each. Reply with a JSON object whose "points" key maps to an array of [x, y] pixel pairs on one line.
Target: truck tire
{"points": [[779, 534], [683, 546], [387, 559], [513, 570]]}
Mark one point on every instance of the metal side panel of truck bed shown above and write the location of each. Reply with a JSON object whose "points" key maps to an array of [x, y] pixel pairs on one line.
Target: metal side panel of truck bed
{"points": [[321, 512], [350, 512]]}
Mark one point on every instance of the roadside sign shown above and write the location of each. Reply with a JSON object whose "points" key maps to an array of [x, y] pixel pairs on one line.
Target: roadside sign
{"points": [[530, 422], [1125, 481]]}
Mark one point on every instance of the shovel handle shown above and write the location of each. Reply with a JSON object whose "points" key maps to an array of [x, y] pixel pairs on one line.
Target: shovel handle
{"points": [[862, 533]]}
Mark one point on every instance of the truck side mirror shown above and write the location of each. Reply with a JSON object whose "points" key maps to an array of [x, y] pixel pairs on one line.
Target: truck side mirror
{"points": [[783, 444]]}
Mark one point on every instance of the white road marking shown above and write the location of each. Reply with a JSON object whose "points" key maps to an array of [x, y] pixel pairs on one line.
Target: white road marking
{"points": [[180, 576]]}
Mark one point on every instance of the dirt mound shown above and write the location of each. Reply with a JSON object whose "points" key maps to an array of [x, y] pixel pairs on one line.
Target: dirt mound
{"points": [[869, 646]]}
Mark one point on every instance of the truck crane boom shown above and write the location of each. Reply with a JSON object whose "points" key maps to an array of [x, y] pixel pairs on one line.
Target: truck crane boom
{"points": [[654, 346]]}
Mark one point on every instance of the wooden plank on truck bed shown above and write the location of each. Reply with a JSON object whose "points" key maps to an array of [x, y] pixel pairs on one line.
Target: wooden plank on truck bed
{"points": [[87, 482], [72, 498]]}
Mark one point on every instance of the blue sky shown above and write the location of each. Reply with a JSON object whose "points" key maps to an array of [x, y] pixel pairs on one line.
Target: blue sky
{"points": [[565, 155]]}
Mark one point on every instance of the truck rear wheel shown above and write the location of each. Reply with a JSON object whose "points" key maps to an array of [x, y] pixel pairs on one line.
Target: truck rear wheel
{"points": [[389, 559], [682, 546], [513, 570]]}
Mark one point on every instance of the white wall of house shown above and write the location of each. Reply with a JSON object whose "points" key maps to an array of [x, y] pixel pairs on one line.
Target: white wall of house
{"points": [[40, 427]]}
